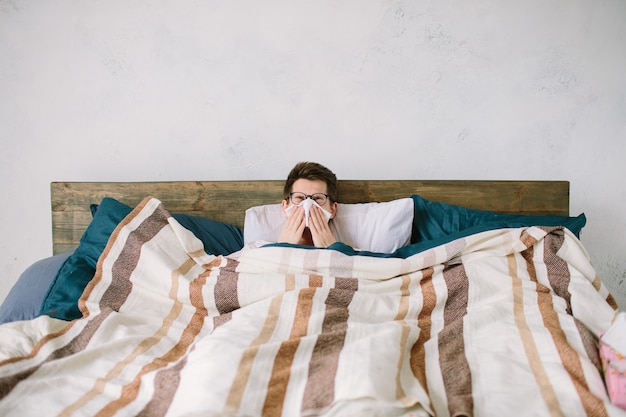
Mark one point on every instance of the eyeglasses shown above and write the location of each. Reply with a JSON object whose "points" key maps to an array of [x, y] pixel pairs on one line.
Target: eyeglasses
{"points": [[319, 198]]}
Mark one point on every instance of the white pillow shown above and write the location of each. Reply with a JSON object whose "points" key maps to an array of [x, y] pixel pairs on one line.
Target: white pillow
{"points": [[376, 227]]}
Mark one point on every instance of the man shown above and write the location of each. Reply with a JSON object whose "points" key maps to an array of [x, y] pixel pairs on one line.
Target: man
{"points": [[309, 180]]}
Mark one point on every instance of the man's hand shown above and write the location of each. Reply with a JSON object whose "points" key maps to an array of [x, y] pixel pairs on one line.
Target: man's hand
{"points": [[294, 227], [320, 230]]}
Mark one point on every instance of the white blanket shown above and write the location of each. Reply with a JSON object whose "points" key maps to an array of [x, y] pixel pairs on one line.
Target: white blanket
{"points": [[499, 323]]}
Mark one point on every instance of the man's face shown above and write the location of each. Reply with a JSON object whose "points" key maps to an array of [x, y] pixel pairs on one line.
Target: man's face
{"points": [[311, 187]]}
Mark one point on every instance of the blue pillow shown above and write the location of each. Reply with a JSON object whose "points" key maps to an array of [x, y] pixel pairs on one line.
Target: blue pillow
{"points": [[61, 300], [435, 220], [24, 299]]}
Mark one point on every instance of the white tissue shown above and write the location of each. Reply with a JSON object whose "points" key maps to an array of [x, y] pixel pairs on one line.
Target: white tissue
{"points": [[616, 335], [307, 204]]}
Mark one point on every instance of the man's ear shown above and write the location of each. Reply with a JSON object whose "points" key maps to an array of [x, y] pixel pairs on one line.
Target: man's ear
{"points": [[333, 209], [284, 203]]}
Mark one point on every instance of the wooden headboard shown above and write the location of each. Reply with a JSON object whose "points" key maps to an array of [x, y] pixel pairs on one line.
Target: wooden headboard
{"points": [[227, 201]]}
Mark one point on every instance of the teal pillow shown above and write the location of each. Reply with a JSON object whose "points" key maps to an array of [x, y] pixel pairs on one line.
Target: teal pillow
{"points": [[61, 300], [218, 238], [435, 220]]}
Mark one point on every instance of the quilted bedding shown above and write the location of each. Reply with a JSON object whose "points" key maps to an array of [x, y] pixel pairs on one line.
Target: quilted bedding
{"points": [[503, 322]]}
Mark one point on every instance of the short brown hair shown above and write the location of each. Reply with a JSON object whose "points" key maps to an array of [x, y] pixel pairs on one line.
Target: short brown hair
{"points": [[312, 171]]}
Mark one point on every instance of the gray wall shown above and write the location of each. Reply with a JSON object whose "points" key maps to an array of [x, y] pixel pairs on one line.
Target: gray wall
{"points": [[182, 90]]}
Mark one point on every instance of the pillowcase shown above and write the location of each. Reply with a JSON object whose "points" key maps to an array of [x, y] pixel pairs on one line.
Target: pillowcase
{"points": [[61, 300], [435, 220], [24, 299], [376, 227]]}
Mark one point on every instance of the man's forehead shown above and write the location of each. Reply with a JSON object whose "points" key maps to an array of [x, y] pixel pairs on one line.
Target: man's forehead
{"points": [[303, 184]]}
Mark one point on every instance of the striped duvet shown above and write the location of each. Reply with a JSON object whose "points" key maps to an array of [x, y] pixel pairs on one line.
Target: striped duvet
{"points": [[499, 323]]}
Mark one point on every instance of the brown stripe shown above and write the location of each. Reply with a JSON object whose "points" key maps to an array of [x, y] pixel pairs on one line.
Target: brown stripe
{"points": [[7, 383], [455, 370], [569, 357], [221, 319], [590, 343], [530, 348], [455, 247], [195, 291], [46, 339], [351, 284], [593, 405], [290, 282], [424, 322], [80, 342], [315, 281], [165, 384], [611, 301], [557, 268], [400, 393], [342, 266], [235, 395], [281, 371], [310, 259], [403, 308], [527, 239], [231, 265], [553, 241], [225, 289], [320, 387], [121, 270]]}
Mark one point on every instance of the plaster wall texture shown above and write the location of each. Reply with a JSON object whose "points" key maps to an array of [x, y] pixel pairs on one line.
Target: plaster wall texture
{"points": [[391, 89]]}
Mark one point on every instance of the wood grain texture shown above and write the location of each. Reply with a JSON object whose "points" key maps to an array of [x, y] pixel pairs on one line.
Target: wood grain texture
{"points": [[227, 201]]}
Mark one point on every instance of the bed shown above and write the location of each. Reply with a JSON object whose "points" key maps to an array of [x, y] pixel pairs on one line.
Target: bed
{"points": [[447, 298]]}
